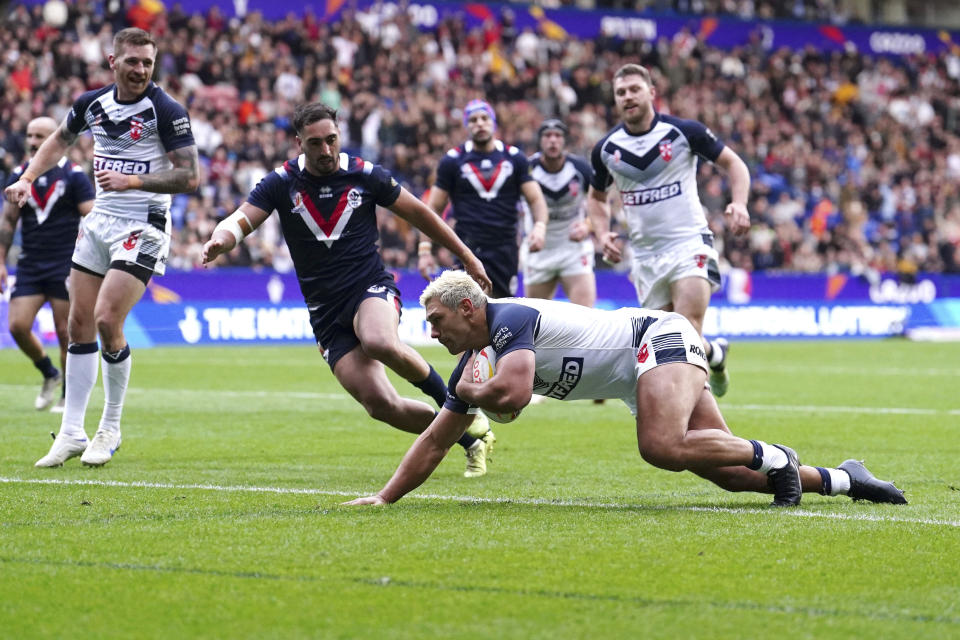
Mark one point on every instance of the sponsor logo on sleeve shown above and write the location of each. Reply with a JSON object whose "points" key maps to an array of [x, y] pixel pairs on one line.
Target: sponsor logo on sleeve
{"points": [[181, 126], [500, 338]]}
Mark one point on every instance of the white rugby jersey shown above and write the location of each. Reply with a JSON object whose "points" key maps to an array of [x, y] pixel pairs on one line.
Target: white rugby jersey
{"points": [[564, 192], [581, 352], [132, 138], [656, 174]]}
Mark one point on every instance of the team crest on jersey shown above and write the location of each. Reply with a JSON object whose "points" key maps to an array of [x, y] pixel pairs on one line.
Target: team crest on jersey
{"points": [[666, 150], [136, 127], [616, 156], [354, 198], [574, 187]]}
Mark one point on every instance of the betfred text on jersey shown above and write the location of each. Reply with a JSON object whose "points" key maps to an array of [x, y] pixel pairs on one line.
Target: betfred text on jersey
{"points": [[128, 167], [570, 374], [649, 196]]}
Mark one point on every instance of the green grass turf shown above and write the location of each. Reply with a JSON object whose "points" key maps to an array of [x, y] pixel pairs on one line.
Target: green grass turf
{"points": [[571, 535]]}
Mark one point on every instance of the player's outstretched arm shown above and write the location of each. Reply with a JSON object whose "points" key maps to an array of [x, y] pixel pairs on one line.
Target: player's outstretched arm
{"points": [[423, 218], [598, 211], [231, 230], [8, 225], [422, 458], [43, 160], [533, 194], [739, 175], [437, 200]]}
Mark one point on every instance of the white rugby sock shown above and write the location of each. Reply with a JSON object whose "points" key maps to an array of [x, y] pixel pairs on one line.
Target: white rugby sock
{"points": [[771, 457], [116, 375], [81, 376]]}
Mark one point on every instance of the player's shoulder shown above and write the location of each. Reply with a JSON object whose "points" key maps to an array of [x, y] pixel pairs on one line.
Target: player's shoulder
{"points": [[164, 102], [88, 97], [579, 163], [609, 134], [685, 125], [454, 153], [534, 160]]}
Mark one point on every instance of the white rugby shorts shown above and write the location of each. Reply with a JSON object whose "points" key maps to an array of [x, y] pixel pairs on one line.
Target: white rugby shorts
{"points": [[670, 339], [652, 274], [569, 259], [105, 238]]}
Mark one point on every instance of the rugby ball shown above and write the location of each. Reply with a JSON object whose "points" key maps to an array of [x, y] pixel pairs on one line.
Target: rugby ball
{"points": [[484, 367]]}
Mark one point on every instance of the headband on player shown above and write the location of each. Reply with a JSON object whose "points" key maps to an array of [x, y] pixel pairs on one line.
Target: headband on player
{"points": [[478, 105], [552, 124]]}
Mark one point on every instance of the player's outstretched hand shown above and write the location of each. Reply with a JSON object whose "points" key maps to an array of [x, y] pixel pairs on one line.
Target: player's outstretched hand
{"points": [[737, 217], [475, 270], [375, 500], [213, 249], [611, 250], [579, 230], [17, 192], [537, 237]]}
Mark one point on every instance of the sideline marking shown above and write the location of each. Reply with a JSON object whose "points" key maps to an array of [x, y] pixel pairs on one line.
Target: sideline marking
{"points": [[799, 513], [313, 395]]}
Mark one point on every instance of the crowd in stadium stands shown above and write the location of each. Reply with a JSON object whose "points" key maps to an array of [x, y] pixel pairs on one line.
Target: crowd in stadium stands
{"points": [[855, 160]]}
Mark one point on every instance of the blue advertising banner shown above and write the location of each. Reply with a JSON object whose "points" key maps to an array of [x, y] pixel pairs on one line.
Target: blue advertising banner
{"points": [[243, 306], [722, 32]]}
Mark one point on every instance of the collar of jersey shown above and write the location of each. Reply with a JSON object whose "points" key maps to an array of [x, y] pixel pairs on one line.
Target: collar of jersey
{"points": [[116, 97], [653, 123]]}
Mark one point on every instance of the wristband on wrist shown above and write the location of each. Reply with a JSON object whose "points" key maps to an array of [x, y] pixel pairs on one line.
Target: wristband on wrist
{"points": [[29, 177]]}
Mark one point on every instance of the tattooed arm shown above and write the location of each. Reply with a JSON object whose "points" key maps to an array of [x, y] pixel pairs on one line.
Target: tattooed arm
{"points": [[184, 177]]}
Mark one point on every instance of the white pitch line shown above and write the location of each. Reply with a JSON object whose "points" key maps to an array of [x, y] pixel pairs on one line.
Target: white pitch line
{"points": [[799, 513], [313, 395]]}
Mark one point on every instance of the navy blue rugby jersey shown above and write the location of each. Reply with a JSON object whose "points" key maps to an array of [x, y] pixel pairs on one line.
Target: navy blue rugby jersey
{"points": [[49, 218], [329, 222], [484, 189]]}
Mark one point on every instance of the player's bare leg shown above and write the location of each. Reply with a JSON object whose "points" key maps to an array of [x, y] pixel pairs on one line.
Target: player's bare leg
{"points": [[375, 324], [22, 312], [667, 397], [544, 290], [580, 288], [691, 297], [365, 379], [118, 293], [706, 415], [850, 478], [81, 370]]}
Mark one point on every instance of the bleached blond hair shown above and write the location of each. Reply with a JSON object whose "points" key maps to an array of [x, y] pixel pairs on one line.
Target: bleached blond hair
{"points": [[451, 287]]}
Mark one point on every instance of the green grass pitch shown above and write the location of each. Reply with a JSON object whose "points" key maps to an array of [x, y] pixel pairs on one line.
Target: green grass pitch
{"points": [[220, 516]]}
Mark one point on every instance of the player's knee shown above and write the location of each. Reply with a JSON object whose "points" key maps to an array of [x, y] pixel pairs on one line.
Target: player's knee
{"points": [[380, 348], [379, 407], [20, 328], [661, 454]]}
